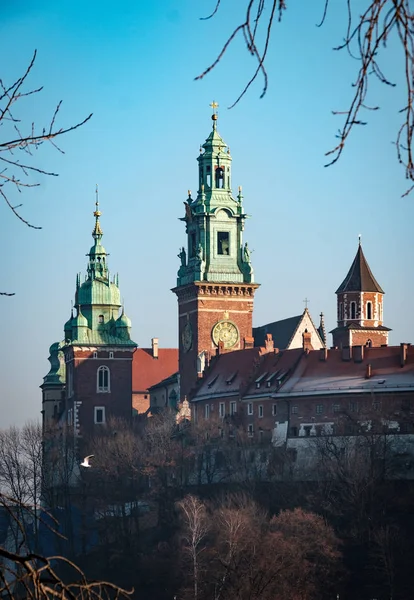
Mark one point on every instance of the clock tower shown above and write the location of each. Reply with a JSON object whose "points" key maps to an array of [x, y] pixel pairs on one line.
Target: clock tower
{"points": [[215, 281]]}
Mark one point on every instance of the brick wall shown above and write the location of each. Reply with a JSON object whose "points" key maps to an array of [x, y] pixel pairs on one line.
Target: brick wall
{"points": [[203, 305], [117, 402], [312, 415]]}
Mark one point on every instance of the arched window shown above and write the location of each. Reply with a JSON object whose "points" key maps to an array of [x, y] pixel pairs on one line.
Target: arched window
{"points": [[341, 311], [368, 343], [369, 310], [101, 319], [103, 383], [353, 310], [219, 177]]}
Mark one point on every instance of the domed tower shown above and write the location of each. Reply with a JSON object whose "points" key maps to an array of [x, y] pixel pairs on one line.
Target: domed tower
{"points": [[360, 307], [97, 348], [215, 281]]}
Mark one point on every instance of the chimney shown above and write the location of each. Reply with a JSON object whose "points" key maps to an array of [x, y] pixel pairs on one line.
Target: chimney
{"points": [[248, 342], [347, 353], [323, 354], [368, 372], [358, 354], [269, 343], [154, 343], [307, 341], [220, 348], [403, 354]]}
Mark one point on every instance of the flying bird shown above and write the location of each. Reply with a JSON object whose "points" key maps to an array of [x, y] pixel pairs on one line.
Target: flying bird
{"points": [[85, 462]]}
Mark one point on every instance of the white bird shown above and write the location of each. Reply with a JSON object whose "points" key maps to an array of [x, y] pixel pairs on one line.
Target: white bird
{"points": [[85, 462]]}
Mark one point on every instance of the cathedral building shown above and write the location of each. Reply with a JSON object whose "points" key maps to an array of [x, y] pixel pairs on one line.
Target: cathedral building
{"points": [[278, 382]]}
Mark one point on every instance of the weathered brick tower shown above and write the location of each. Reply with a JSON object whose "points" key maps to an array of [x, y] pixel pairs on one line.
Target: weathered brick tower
{"points": [[360, 307], [91, 375], [215, 282]]}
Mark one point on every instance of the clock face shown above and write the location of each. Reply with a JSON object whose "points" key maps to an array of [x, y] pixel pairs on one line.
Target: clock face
{"points": [[226, 332], [187, 337]]}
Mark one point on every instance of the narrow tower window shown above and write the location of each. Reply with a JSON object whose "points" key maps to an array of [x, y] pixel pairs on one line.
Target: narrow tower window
{"points": [[353, 310], [341, 311], [223, 243], [192, 248], [369, 310], [69, 382], [208, 176], [103, 380]]}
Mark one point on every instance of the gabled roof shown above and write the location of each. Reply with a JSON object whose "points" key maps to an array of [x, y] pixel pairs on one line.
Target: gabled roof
{"points": [[172, 379], [147, 370], [359, 277], [281, 331]]}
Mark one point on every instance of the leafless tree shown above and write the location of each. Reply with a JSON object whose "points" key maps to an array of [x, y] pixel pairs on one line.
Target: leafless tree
{"points": [[28, 574], [367, 31], [21, 463], [19, 140], [194, 533]]}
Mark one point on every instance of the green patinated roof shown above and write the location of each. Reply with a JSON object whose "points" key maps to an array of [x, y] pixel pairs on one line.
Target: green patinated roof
{"points": [[101, 338], [97, 301], [98, 291]]}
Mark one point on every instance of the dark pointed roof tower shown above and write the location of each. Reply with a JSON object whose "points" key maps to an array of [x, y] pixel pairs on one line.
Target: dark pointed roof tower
{"points": [[360, 307], [360, 277]]}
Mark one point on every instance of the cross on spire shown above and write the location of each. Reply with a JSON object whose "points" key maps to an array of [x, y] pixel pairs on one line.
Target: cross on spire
{"points": [[214, 105], [306, 301]]}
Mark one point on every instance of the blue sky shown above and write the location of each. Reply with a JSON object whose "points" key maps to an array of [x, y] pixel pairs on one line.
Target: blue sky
{"points": [[133, 65]]}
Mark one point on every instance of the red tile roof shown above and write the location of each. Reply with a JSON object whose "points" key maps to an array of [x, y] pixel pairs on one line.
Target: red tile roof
{"points": [[274, 370], [336, 375], [227, 374], [147, 370]]}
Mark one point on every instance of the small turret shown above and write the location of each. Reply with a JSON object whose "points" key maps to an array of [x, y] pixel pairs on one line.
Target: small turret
{"points": [[123, 326], [360, 307]]}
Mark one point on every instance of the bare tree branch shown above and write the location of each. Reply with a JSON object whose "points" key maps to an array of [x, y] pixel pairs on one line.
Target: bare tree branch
{"points": [[13, 139], [366, 34]]}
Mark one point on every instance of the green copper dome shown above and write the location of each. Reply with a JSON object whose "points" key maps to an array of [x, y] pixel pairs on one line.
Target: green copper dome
{"points": [[98, 301], [123, 321], [80, 320]]}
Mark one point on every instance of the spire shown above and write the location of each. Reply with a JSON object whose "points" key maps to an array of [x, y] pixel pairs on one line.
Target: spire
{"points": [[359, 277], [322, 330], [97, 232], [214, 116], [97, 266]]}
